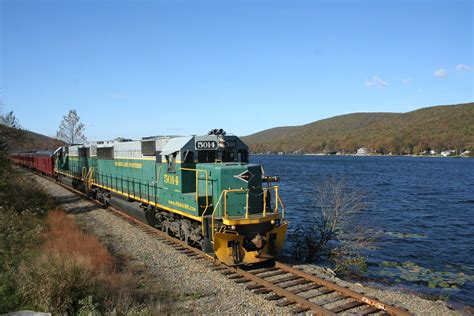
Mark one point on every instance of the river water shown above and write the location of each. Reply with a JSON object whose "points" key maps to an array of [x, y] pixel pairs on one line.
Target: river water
{"points": [[422, 210]]}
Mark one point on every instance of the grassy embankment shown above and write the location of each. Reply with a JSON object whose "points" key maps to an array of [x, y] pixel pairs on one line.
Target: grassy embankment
{"points": [[47, 263]]}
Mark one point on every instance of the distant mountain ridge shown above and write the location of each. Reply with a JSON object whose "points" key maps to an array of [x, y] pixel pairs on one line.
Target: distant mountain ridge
{"points": [[433, 128]]}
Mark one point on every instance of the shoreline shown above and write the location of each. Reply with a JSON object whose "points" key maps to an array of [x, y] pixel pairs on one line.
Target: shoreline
{"points": [[414, 301], [368, 155]]}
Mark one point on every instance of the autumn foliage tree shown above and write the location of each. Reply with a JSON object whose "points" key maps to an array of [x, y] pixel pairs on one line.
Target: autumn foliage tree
{"points": [[71, 130]]}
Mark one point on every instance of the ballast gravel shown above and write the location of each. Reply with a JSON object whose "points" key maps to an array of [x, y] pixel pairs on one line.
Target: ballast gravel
{"points": [[202, 291]]}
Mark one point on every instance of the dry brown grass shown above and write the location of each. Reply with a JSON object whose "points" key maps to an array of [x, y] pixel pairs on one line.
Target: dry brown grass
{"points": [[75, 273], [65, 238]]}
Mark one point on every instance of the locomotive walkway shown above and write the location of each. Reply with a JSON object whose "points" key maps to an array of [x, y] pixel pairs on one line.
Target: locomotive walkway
{"points": [[279, 289]]}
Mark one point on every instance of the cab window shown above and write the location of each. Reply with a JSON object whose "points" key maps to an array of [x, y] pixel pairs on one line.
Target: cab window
{"points": [[243, 155], [205, 156], [189, 157], [171, 163], [228, 156]]}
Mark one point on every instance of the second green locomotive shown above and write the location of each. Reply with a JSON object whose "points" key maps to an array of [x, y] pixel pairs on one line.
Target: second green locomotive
{"points": [[200, 189]]}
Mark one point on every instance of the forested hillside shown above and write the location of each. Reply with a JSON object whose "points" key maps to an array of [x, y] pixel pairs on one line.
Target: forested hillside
{"points": [[20, 140], [434, 128]]}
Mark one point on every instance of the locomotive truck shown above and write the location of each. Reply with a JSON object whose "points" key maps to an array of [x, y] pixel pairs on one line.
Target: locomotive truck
{"points": [[201, 189]]}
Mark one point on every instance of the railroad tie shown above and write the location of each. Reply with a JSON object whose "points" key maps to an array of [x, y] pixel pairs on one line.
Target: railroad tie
{"points": [[346, 306], [273, 297], [262, 291], [299, 282], [269, 275], [254, 286], [234, 277], [299, 310], [285, 302], [290, 278], [306, 288], [263, 270], [367, 310], [243, 280], [320, 293], [333, 299], [217, 268], [227, 272]]}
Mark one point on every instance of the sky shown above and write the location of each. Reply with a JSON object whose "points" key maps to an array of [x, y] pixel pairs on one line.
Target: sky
{"points": [[141, 68]]}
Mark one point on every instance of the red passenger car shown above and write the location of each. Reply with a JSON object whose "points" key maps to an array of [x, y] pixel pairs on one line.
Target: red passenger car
{"points": [[44, 162], [41, 161], [25, 159]]}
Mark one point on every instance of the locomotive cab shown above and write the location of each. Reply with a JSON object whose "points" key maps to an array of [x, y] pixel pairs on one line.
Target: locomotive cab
{"points": [[246, 223]]}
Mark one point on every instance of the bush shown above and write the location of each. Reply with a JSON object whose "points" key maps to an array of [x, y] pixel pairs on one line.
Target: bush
{"points": [[22, 207], [53, 283], [350, 265], [329, 234], [23, 193], [20, 237], [76, 274]]}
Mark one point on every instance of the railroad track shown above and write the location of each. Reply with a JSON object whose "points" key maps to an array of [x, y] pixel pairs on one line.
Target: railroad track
{"points": [[286, 285]]}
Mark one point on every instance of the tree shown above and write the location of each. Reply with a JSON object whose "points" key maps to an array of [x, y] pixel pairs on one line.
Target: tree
{"points": [[11, 132], [10, 120], [71, 130], [329, 234]]}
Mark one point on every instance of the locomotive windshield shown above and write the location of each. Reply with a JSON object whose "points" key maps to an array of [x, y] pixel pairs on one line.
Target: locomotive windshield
{"points": [[210, 156]]}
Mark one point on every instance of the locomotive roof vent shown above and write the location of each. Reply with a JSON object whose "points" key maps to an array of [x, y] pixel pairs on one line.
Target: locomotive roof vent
{"points": [[122, 139]]}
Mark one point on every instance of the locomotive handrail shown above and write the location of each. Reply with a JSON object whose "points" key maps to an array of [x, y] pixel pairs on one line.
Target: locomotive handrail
{"points": [[197, 186], [265, 190], [212, 216], [282, 208], [89, 177]]}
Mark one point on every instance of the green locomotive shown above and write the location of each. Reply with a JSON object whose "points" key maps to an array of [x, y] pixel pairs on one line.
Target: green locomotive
{"points": [[200, 189]]}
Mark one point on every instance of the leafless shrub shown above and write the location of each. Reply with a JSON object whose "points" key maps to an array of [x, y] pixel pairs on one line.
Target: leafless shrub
{"points": [[329, 233]]}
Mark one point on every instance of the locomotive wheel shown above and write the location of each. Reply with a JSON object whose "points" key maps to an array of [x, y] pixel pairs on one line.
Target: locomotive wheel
{"points": [[150, 216]]}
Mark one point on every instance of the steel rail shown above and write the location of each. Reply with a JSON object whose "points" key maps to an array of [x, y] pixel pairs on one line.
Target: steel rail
{"points": [[261, 284], [343, 290]]}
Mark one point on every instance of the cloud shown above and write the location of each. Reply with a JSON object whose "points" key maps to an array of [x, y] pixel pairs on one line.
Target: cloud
{"points": [[376, 82], [440, 73], [407, 81], [463, 67]]}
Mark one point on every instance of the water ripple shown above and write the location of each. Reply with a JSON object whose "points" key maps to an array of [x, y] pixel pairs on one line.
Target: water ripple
{"points": [[409, 197]]}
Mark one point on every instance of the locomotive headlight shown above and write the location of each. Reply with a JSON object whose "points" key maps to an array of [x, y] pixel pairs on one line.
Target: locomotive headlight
{"points": [[272, 221], [232, 227]]}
